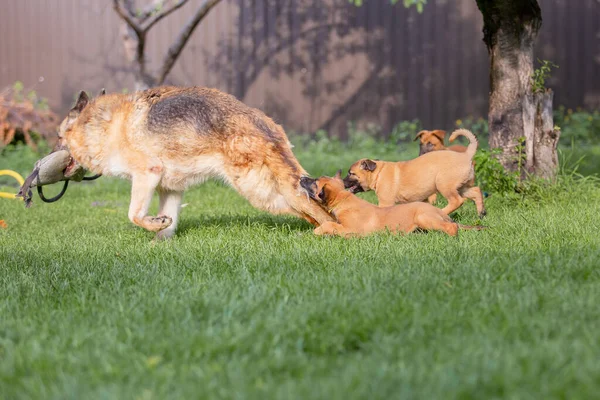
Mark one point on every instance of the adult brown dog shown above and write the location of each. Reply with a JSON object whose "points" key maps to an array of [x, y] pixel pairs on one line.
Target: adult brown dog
{"points": [[358, 217], [169, 138], [434, 140], [447, 172]]}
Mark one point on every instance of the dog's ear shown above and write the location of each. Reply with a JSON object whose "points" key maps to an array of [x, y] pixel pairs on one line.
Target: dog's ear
{"points": [[439, 134], [102, 92], [82, 101], [419, 135], [338, 174], [368, 165]]}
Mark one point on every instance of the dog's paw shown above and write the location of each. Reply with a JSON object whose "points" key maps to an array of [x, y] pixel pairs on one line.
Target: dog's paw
{"points": [[156, 224]]}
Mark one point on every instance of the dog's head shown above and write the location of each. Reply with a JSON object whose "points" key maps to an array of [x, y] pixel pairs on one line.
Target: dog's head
{"points": [[66, 126], [360, 176], [430, 141], [324, 189]]}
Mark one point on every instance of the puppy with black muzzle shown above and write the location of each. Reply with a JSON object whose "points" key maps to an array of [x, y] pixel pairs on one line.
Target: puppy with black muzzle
{"points": [[447, 172], [434, 141], [357, 217]]}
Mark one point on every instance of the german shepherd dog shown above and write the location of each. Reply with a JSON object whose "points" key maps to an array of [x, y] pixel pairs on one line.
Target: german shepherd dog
{"points": [[169, 138]]}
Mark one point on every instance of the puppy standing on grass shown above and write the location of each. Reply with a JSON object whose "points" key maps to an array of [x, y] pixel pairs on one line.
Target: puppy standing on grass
{"points": [[167, 139], [447, 172], [434, 141], [358, 217]]}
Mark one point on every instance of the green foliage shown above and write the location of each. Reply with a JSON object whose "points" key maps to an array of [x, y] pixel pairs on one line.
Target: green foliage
{"points": [[491, 176], [478, 126], [405, 131], [419, 4], [582, 127], [19, 95], [540, 74]]}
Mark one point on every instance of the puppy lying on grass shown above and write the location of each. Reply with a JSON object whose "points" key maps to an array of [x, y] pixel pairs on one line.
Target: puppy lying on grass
{"points": [[358, 217], [449, 172]]}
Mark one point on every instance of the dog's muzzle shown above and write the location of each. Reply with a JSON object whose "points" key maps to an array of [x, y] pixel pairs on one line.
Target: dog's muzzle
{"points": [[352, 185], [306, 182], [425, 148]]}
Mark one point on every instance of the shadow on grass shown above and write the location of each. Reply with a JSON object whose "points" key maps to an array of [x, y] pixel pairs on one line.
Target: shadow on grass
{"points": [[227, 220]]}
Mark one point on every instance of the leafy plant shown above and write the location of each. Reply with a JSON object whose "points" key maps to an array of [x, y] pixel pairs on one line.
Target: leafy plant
{"points": [[405, 131], [25, 116], [538, 79], [478, 126], [578, 126], [490, 174], [419, 4]]}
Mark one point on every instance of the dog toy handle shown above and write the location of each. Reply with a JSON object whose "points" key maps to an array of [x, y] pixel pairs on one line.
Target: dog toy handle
{"points": [[18, 178]]}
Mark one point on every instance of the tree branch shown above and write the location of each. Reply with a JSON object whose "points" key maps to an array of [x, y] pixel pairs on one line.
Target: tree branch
{"points": [[153, 19], [127, 17], [149, 10], [182, 39]]}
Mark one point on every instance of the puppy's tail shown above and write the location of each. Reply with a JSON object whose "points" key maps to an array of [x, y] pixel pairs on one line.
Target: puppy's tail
{"points": [[472, 148]]}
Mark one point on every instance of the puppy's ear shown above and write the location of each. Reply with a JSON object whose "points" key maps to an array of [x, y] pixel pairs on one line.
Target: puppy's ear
{"points": [[368, 165], [338, 174], [82, 101], [439, 134], [419, 135], [102, 92]]}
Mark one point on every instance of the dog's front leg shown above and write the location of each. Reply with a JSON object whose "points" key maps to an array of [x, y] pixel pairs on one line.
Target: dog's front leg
{"points": [[331, 228], [169, 206], [142, 189]]}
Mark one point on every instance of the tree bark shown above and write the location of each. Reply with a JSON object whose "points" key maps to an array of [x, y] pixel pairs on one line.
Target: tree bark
{"points": [[515, 113], [541, 136]]}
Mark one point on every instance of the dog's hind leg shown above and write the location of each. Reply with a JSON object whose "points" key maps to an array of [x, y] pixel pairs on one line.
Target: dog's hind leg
{"points": [[434, 222], [455, 200], [142, 189], [169, 206]]}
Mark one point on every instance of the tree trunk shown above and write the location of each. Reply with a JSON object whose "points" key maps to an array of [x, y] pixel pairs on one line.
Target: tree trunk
{"points": [[540, 135], [515, 113], [142, 80]]}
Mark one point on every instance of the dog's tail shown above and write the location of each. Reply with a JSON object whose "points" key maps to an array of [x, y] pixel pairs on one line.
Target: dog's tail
{"points": [[472, 148]]}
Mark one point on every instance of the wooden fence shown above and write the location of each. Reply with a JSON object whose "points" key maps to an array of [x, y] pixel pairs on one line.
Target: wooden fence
{"points": [[310, 64]]}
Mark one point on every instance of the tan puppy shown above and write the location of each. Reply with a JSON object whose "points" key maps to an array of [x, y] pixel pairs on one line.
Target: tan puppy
{"points": [[434, 140], [447, 172], [358, 217]]}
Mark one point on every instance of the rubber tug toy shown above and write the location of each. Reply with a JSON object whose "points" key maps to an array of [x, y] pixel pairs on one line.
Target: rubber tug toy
{"points": [[12, 174], [55, 167]]}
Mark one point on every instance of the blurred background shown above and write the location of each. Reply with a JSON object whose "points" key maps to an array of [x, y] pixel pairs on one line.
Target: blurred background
{"points": [[310, 64]]}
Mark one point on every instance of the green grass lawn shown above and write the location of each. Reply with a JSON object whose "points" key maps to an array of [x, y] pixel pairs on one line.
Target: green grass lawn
{"points": [[242, 304]]}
